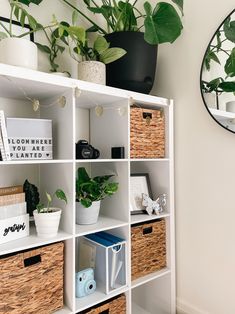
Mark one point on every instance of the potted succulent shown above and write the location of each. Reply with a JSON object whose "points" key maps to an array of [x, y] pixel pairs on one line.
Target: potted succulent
{"points": [[14, 48], [91, 58], [47, 218], [138, 31], [89, 193]]}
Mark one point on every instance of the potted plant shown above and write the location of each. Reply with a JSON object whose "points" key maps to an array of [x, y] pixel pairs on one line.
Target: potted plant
{"points": [[14, 48], [91, 58], [125, 22], [54, 48], [47, 218], [89, 193]]}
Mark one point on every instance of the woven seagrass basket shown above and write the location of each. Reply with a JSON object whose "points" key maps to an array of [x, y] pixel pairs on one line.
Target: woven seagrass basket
{"points": [[147, 133], [116, 305], [31, 282], [148, 248]]}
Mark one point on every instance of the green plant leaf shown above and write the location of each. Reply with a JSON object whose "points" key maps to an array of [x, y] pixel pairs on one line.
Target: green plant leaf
{"points": [[126, 20], [61, 195], [74, 17], [82, 175], [28, 2], [48, 197], [22, 18], [229, 30], [148, 8], [43, 48], [101, 44], [164, 25], [2, 35], [228, 87], [214, 84], [77, 33], [210, 55], [180, 4], [86, 202], [230, 64], [32, 22], [17, 12], [112, 54]]}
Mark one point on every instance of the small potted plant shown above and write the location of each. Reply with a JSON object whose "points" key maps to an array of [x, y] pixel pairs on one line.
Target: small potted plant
{"points": [[14, 48], [91, 58], [89, 193], [47, 218]]}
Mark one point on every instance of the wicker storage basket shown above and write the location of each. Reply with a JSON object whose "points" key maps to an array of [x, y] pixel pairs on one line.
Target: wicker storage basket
{"points": [[116, 305], [147, 133], [148, 248], [32, 281]]}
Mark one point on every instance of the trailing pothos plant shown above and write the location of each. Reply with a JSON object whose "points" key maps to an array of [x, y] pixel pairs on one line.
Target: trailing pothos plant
{"points": [[80, 48], [160, 24], [89, 190], [41, 208], [19, 12]]}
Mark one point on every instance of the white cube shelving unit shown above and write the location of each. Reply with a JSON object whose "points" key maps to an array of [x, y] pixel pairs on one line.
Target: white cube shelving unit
{"points": [[154, 293]]}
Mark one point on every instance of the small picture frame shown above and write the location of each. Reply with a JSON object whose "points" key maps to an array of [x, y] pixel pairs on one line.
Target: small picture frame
{"points": [[139, 184], [17, 29]]}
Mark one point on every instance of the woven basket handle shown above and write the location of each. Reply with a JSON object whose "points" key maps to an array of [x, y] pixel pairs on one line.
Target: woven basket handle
{"points": [[147, 230], [31, 258]]}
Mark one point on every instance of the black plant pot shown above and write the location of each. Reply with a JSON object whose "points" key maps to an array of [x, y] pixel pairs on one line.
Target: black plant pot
{"points": [[136, 70]]}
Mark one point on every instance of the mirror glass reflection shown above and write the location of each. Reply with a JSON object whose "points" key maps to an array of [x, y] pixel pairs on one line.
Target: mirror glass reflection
{"points": [[218, 74]]}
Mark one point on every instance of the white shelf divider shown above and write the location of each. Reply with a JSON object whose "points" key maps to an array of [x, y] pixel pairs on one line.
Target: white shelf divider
{"points": [[141, 281]]}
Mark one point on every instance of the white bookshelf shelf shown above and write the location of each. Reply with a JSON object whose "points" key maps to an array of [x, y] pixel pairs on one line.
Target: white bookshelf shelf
{"points": [[135, 219], [100, 160], [65, 310], [138, 309], [31, 241], [104, 223], [222, 115], [97, 297], [145, 279], [36, 162]]}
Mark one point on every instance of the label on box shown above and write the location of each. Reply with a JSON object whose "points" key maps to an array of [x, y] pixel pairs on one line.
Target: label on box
{"points": [[14, 228]]}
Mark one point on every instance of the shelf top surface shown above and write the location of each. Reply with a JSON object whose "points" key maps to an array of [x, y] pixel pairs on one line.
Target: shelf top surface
{"points": [[14, 81]]}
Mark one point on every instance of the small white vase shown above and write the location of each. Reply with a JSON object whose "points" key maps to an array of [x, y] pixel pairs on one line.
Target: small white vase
{"points": [[19, 52], [210, 100], [87, 216], [230, 106], [92, 71], [47, 224]]}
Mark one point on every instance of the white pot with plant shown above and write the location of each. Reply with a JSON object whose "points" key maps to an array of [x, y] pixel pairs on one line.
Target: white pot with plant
{"points": [[15, 49], [47, 218], [91, 59], [89, 193]]}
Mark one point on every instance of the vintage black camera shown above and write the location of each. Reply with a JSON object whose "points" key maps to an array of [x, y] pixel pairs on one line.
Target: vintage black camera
{"points": [[86, 151]]}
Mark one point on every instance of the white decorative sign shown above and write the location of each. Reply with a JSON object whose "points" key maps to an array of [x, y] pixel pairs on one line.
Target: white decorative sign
{"points": [[14, 228], [29, 138]]}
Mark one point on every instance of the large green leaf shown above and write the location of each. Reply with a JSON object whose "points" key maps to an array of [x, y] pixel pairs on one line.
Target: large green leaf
{"points": [[43, 48], [228, 87], [180, 4], [82, 175], [126, 20], [229, 30], [112, 54], [61, 195], [214, 84], [101, 44], [230, 64], [163, 25]]}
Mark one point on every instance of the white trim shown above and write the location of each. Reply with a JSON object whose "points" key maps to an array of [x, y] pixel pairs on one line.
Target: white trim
{"points": [[184, 307]]}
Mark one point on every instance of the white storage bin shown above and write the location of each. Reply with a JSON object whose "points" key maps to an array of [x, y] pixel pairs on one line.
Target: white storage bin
{"points": [[111, 259]]}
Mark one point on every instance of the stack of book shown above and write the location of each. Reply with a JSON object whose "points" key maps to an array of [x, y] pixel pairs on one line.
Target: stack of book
{"points": [[4, 145], [14, 220]]}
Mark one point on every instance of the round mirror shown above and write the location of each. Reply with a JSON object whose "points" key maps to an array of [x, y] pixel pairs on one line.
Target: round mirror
{"points": [[218, 74]]}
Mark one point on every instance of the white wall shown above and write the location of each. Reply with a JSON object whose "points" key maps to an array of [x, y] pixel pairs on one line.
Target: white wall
{"points": [[204, 170]]}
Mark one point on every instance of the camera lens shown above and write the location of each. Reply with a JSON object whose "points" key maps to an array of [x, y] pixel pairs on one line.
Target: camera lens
{"points": [[90, 286]]}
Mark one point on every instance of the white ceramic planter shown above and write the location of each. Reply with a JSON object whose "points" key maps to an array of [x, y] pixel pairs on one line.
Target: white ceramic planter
{"points": [[210, 100], [19, 52], [230, 106], [47, 224], [87, 216], [92, 71]]}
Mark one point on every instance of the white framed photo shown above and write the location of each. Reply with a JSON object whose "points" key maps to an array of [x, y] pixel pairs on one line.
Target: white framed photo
{"points": [[139, 184]]}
